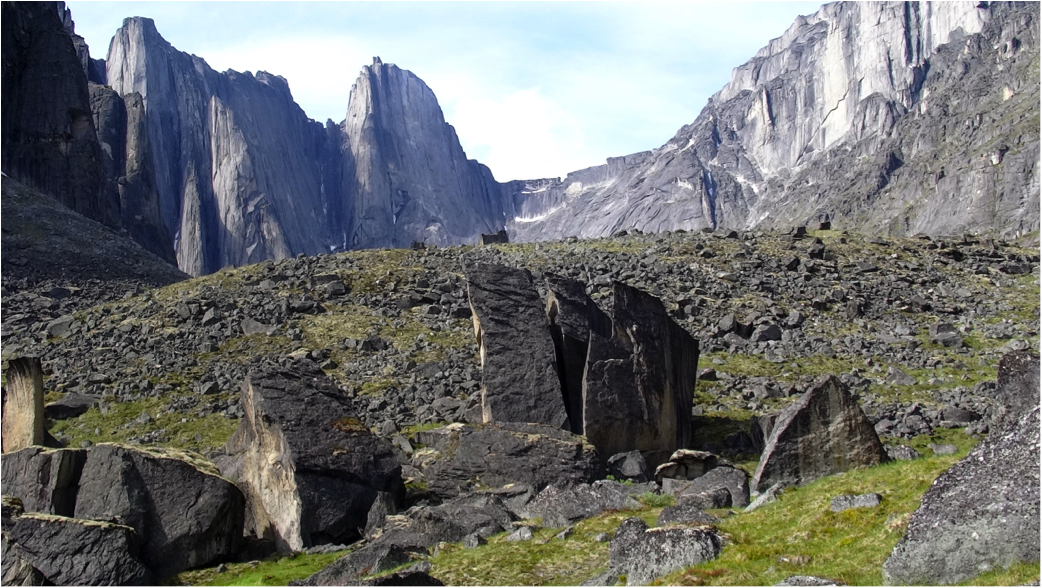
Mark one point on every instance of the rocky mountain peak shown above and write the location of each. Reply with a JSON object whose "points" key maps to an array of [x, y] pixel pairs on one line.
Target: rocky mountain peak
{"points": [[411, 179]]}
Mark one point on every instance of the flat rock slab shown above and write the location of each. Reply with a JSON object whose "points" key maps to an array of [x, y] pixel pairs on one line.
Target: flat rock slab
{"points": [[643, 554], [185, 513], [849, 501], [498, 454], [733, 481], [686, 464], [518, 380], [824, 432], [72, 552], [981, 514], [683, 514], [310, 469], [562, 505]]}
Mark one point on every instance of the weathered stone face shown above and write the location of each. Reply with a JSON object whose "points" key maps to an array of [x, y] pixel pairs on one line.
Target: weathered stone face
{"points": [[643, 554], [23, 422], [980, 514], [309, 468], [518, 379], [184, 513], [498, 454], [68, 552], [824, 432], [639, 384], [46, 480], [1018, 387]]}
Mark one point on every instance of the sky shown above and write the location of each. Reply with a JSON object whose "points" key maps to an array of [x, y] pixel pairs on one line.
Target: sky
{"points": [[533, 89]]}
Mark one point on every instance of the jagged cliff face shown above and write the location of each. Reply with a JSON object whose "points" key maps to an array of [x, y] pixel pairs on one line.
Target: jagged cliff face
{"points": [[409, 177], [49, 141], [235, 160], [888, 116], [243, 175]]}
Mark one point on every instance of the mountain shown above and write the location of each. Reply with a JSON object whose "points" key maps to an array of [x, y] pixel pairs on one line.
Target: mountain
{"points": [[897, 118], [894, 118], [243, 174]]}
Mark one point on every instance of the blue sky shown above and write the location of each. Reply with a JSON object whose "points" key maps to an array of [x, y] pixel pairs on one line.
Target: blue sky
{"points": [[534, 89]]}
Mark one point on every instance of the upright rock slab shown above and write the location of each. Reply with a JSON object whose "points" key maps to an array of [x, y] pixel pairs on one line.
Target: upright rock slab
{"points": [[45, 480], [518, 379], [573, 315], [824, 432], [23, 422], [981, 514], [639, 384], [309, 468], [185, 514]]}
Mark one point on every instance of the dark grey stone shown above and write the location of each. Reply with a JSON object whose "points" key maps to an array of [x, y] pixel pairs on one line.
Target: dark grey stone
{"points": [[518, 380], [331, 468], [185, 514], [498, 454], [824, 432]]}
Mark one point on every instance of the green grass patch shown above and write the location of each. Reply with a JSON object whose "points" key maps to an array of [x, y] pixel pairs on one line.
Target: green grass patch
{"points": [[543, 561], [120, 425], [799, 535], [1017, 574], [271, 572], [652, 500]]}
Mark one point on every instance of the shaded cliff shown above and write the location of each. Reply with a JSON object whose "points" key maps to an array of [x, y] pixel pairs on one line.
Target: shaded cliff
{"points": [[49, 141], [236, 161], [892, 117]]}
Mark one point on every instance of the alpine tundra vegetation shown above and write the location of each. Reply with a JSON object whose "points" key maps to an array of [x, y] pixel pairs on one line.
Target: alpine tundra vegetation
{"points": [[795, 345]]}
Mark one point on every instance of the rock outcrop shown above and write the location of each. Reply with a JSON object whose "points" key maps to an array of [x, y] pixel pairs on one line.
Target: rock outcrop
{"points": [[459, 457], [573, 316], [639, 384], [407, 176], [561, 505], [68, 552], [237, 164], [185, 514], [643, 554], [890, 117], [979, 515], [824, 432], [309, 468], [518, 381], [23, 422]]}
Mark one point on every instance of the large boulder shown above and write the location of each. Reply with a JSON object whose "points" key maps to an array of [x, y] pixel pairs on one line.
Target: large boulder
{"points": [[518, 380], [981, 514], [310, 469], [23, 422], [824, 432], [184, 512], [1018, 387], [640, 382], [46, 480], [643, 554], [573, 314], [69, 552], [460, 457]]}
